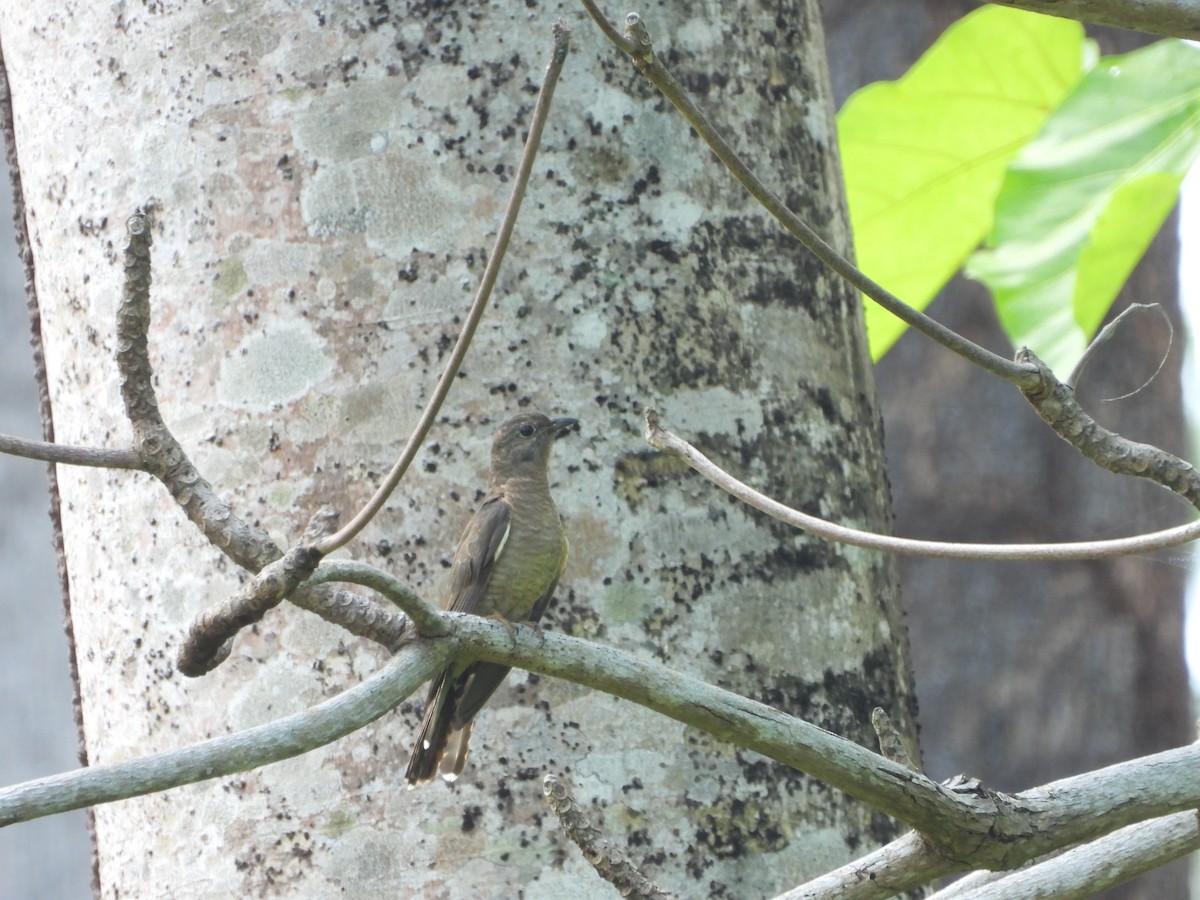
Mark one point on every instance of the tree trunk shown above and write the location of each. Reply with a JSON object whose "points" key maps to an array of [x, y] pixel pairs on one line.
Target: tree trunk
{"points": [[48, 857], [326, 184]]}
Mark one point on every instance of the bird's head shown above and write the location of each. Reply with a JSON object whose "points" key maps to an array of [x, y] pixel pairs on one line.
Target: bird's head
{"points": [[522, 445]]}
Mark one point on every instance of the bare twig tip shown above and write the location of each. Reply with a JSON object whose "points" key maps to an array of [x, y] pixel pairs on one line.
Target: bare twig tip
{"points": [[890, 743], [635, 31], [608, 861], [562, 34], [654, 429]]}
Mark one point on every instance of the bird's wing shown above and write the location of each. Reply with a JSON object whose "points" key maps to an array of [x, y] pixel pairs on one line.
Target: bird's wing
{"points": [[482, 679], [475, 559]]}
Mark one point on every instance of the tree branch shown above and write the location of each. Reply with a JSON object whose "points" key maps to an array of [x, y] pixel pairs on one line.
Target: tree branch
{"points": [[161, 454], [1170, 18], [206, 644], [1087, 870], [662, 439], [1058, 407], [609, 861], [240, 752], [903, 865], [208, 640], [68, 455], [964, 822]]}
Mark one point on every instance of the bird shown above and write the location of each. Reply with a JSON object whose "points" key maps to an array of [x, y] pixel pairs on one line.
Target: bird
{"points": [[507, 565]]}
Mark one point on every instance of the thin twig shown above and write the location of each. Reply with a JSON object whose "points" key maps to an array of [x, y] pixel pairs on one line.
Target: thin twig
{"points": [[1058, 407], [1106, 334], [607, 859], [423, 615], [903, 865], [637, 44], [207, 643], [161, 454], [240, 752], [69, 455], [1109, 330], [890, 743], [662, 439], [541, 111]]}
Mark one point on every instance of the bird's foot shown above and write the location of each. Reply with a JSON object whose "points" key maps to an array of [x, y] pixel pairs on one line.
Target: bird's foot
{"points": [[508, 626]]}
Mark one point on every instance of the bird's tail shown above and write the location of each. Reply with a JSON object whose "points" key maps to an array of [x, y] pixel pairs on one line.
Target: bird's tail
{"points": [[435, 731], [456, 752]]}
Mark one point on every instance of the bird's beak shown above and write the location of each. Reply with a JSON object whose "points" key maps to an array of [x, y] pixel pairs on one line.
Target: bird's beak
{"points": [[562, 425]]}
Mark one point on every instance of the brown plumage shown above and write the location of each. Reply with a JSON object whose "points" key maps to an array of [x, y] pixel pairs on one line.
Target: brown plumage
{"points": [[507, 565]]}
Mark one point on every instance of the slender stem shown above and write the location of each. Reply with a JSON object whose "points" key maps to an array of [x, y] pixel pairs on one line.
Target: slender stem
{"points": [[1059, 408], [424, 616], [637, 44], [662, 439], [609, 861], [541, 110], [225, 755], [69, 455]]}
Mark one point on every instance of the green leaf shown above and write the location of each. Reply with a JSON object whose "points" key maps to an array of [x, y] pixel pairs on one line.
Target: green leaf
{"points": [[924, 156], [1083, 200]]}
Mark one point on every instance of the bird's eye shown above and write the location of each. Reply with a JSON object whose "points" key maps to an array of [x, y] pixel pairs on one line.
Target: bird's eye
{"points": [[527, 430]]}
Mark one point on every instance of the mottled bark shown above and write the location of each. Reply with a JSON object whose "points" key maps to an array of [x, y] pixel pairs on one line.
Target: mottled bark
{"points": [[325, 183]]}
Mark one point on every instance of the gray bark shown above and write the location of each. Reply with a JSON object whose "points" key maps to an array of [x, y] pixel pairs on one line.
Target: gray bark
{"points": [[325, 184]]}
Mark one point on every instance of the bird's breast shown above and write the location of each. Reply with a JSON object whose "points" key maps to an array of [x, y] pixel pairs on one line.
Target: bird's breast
{"points": [[530, 562]]}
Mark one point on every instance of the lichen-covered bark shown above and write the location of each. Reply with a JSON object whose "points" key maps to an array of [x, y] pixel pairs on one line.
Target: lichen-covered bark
{"points": [[326, 183]]}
